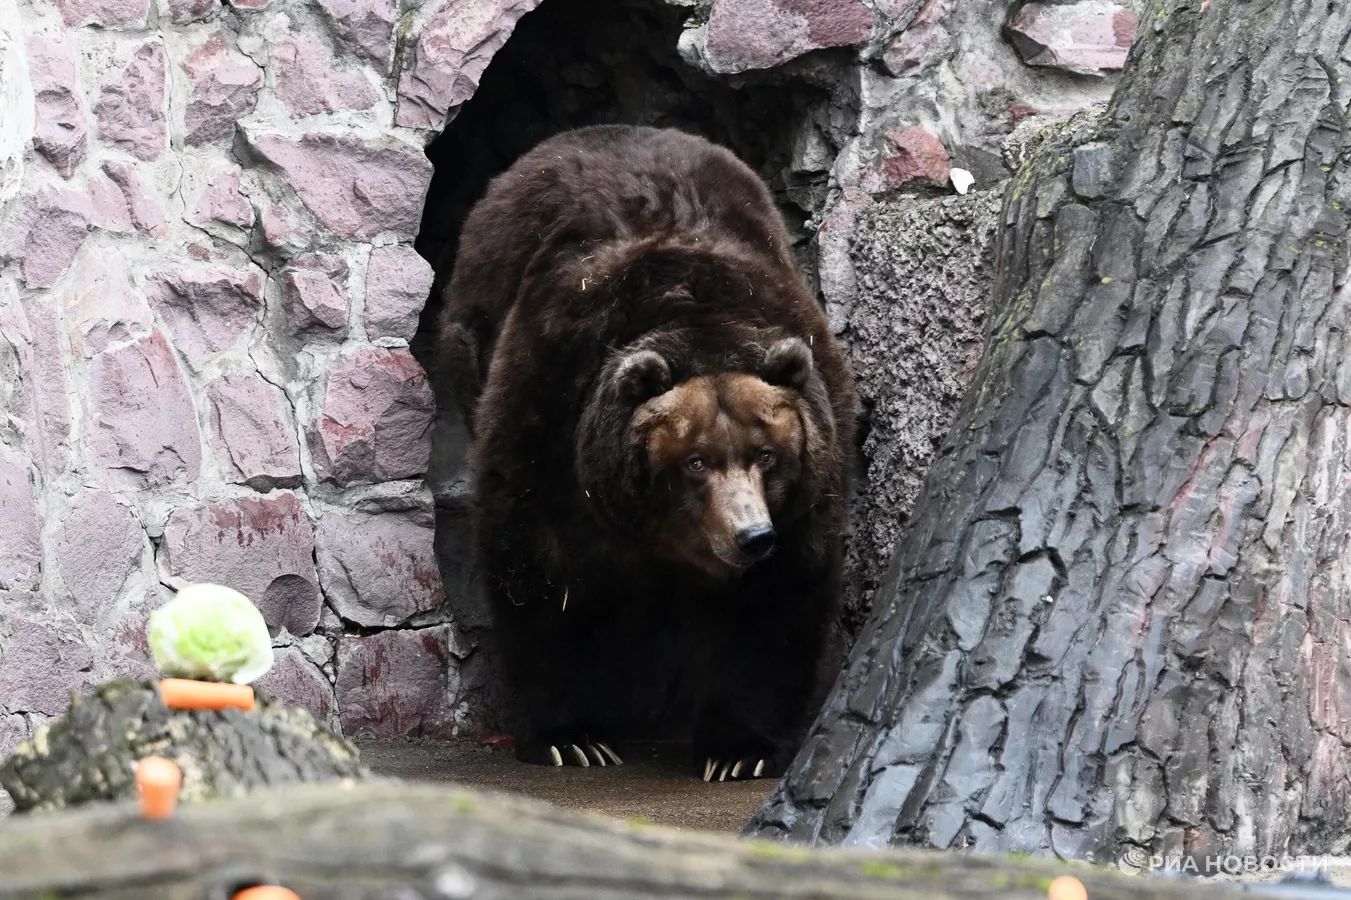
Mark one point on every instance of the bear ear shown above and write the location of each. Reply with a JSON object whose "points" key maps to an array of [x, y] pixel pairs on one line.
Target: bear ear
{"points": [[640, 376], [788, 363]]}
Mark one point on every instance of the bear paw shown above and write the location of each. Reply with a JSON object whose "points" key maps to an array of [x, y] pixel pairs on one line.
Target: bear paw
{"points": [[735, 769], [584, 753]]}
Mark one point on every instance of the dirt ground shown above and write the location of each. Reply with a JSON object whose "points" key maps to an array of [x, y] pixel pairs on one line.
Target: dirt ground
{"points": [[654, 782]]}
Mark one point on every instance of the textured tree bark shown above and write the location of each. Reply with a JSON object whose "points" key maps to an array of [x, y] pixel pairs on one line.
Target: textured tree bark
{"points": [[89, 755], [384, 841], [1118, 623]]}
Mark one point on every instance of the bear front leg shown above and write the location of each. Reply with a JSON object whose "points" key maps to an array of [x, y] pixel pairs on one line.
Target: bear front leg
{"points": [[558, 707], [755, 710]]}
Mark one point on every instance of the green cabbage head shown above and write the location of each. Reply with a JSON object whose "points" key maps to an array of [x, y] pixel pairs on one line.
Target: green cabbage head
{"points": [[210, 633]]}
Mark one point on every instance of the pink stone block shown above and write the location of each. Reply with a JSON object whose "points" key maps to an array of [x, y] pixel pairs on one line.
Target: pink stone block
{"points": [[102, 307], [103, 13], [20, 529], [59, 103], [358, 188], [252, 432], [379, 568], [131, 110], [222, 88], [365, 26], [397, 683], [915, 156], [398, 281], [129, 652], [1091, 37], [49, 441], [44, 233], [915, 47], [308, 82], [443, 67], [262, 547], [314, 291], [41, 666], [296, 681], [375, 423], [142, 426], [224, 201], [185, 12], [207, 306], [144, 209], [761, 34], [110, 205], [98, 544]]}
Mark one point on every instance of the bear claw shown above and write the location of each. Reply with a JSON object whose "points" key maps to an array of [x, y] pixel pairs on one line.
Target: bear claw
{"points": [[722, 769], [584, 754]]}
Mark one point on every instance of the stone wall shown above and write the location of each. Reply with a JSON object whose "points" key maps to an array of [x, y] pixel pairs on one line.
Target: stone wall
{"points": [[208, 293], [208, 290]]}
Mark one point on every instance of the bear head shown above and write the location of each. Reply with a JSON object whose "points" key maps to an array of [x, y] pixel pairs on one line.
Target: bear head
{"points": [[708, 470]]}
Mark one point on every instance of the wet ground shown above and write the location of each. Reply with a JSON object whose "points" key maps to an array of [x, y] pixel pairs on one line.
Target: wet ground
{"points": [[654, 783]]}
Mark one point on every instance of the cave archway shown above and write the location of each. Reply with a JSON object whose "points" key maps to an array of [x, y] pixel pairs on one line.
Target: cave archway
{"points": [[571, 63]]}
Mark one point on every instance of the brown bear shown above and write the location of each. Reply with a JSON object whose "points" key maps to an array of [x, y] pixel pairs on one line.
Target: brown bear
{"points": [[662, 434]]}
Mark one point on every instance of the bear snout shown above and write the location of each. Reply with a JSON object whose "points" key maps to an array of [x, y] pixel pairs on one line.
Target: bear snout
{"points": [[755, 542]]}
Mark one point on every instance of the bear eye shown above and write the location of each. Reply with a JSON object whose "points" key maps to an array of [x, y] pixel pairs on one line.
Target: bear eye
{"points": [[766, 458], [696, 465]]}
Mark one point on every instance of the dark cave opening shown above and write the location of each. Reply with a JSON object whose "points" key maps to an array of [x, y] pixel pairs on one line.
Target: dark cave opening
{"points": [[571, 63]]}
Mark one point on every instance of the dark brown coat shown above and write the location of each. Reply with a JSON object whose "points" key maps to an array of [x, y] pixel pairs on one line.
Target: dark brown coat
{"points": [[596, 250]]}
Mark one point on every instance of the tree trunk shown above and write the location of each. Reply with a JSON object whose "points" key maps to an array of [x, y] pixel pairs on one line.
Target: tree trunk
{"points": [[383, 840], [1118, 622]]}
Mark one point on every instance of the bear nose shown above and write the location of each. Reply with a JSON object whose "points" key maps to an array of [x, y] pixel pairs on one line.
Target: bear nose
{"points": [[756, 541]]}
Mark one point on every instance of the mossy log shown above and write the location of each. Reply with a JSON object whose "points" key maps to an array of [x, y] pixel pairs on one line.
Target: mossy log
{"points": [[90, 753], [379, 839]]}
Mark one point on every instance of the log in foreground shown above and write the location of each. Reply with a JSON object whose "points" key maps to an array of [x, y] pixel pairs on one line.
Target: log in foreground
{"points": [[390, 840]]}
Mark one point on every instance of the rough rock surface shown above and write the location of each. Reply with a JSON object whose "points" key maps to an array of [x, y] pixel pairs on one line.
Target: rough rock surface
{"points": [[98, 544], [142, 421], [224, 87], [308, 84], [395, 683], [20, 538], [89, 754], [376, 420], [759, 34], [47, 229], [456, 43], [131, 108], [397, 282], [378, 570], [296, 681], [61, 132], [358, 188], [263, 548], [252, 431], [207, 307], [1090, 37], [925, 272]]}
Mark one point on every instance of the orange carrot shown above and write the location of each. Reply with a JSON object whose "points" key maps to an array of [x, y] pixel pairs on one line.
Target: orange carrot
{"points": [[181, 693], [157, 784], [1066, 887], [266, 892]]}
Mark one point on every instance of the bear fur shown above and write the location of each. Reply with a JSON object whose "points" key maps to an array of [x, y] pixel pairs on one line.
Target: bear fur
{"points": [[656, 402]]}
